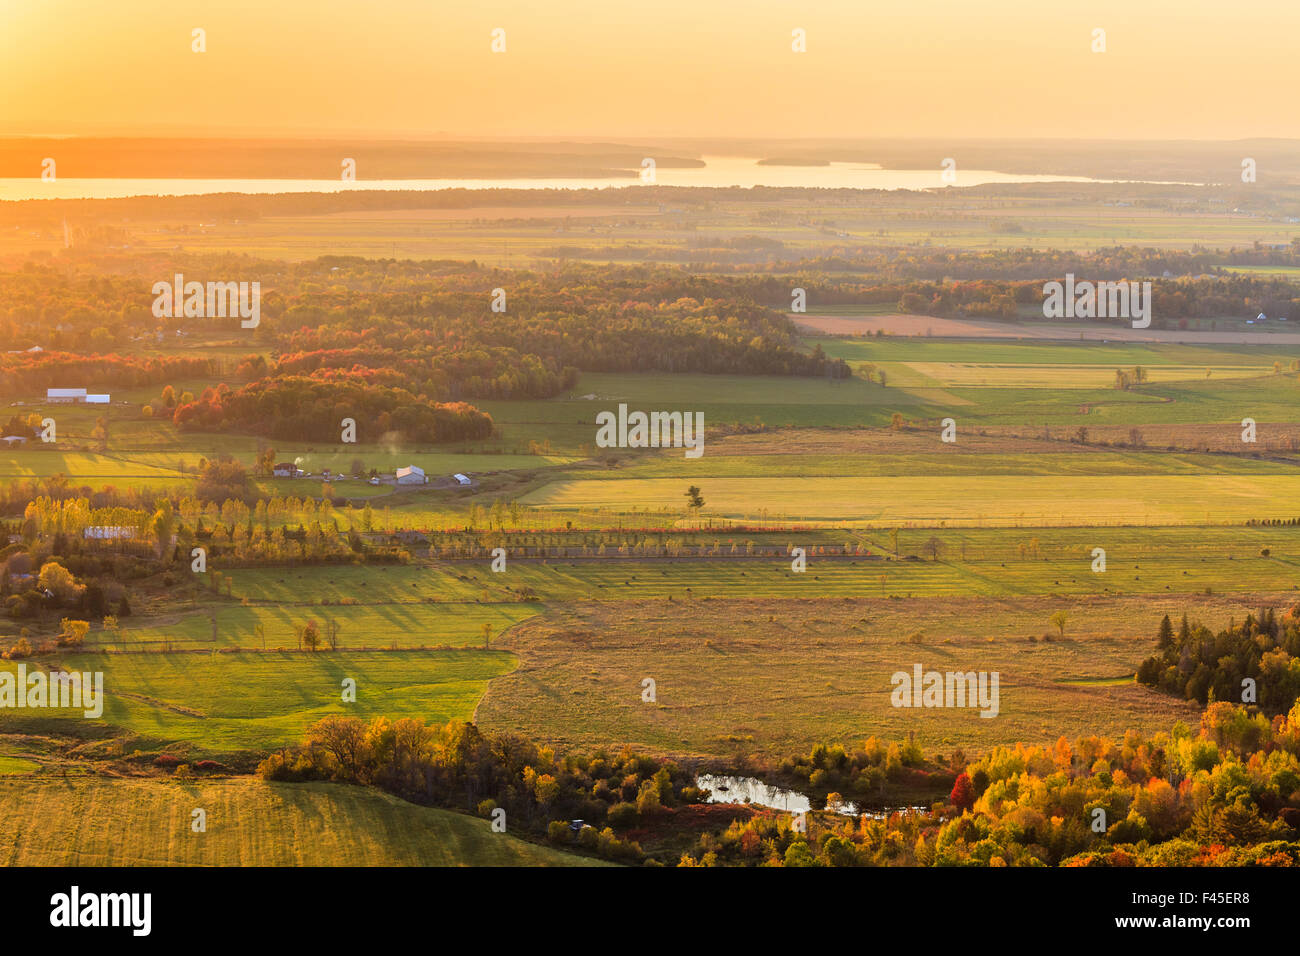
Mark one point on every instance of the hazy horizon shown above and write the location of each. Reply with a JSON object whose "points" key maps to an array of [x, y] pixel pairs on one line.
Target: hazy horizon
{"points": [[937, 70]]}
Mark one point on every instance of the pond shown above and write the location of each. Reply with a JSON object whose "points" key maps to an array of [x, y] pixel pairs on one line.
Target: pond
{"points": [[730, 789]]}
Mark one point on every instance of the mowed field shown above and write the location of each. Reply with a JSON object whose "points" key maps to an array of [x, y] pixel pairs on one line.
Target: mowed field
{"points": [[993, 562], [221, 703], [998, 500], [866, 320], [768, 677], [389, 626], [79, 821]]}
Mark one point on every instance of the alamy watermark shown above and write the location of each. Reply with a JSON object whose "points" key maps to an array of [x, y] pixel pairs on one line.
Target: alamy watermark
{"points": [[1098, 300], [84, 690], [651, 430], [75, 908], [923, 688], [213, 300]]}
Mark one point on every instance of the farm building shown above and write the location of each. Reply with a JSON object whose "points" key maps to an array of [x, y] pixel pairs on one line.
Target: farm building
{"points": [[462, 479], [74, 395], [109, 533], [12, 440], [285, 469], [411, 475]]}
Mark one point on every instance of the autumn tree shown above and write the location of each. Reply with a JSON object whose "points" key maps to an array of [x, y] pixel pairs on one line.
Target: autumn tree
{"points": [[72, 633], [59, 581], [1058, 621], [963, 793]]}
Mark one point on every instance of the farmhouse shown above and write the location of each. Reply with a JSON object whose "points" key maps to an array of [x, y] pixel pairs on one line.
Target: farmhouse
{"points": [[411, 475], [285, 469]]}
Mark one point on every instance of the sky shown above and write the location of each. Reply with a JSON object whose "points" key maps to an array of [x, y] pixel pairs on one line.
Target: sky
{"points": [[612, 69]]}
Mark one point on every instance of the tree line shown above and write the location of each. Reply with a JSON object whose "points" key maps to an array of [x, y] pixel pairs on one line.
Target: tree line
{"points": [[1258, 658]]}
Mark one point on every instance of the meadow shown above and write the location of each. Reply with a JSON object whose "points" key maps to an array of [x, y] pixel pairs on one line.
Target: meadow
{"points": [[225, 703], [771, 677], [78, 821], [406, 626], [980, 500]]}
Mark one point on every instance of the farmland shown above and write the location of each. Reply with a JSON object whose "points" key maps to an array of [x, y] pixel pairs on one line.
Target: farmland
{"points": [[1039, 501], [77, 821], [975, 554], [736, 677], [226, 703]]}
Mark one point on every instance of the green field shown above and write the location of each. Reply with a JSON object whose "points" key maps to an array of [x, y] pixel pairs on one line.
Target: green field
{"points": [[962, 459], [92, 821], [1020, 375], [979, 500], [227, 702], [404, 626]]}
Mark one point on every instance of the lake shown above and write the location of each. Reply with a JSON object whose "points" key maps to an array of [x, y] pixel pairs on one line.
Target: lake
{"points": [[718, 171]]}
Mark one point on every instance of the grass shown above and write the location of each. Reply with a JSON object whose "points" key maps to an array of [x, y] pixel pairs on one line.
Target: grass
{"points": [[773, 677], [951, 460], [967, 374], [1126, 573], [224, 703], [1011, 353], [405, 626], [980, 500], [11, 765], [90, 821]]}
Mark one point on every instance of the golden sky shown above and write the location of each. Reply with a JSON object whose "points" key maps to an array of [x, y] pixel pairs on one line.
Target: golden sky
{"points": [[1191, 69]]}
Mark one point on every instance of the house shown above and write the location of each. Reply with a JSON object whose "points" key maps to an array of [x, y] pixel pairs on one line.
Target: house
{"points": [[285, 469], [411, 475], [462, 479]]}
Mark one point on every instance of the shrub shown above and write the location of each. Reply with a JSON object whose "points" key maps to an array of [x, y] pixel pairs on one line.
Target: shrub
{"points": [[622, 815]]}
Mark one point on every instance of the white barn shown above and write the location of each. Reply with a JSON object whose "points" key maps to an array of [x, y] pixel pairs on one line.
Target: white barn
{"points": [[74, 395], [411, 475]]}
